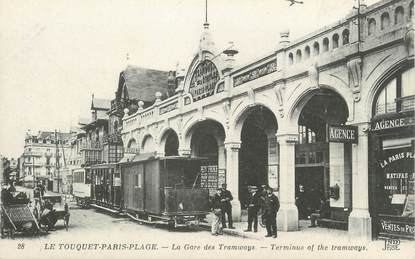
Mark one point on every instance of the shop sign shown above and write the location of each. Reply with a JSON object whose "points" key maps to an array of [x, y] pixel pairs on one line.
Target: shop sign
{"points": [[392, 123], [256, 73], [396, 227], [209, 177], [204, 80], [342, 134]]}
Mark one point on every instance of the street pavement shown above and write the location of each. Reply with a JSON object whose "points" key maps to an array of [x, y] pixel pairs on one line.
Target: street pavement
{"points": [[97, 234]]}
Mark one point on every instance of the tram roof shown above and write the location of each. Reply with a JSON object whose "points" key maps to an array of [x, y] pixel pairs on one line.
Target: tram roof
{"points": [[153, 156]]}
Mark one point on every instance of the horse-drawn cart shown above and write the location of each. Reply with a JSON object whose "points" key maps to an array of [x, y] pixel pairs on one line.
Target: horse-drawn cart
{"points": [[51, 215], [16, 214]]}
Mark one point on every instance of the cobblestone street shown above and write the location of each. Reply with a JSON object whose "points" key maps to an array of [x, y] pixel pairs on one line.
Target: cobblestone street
{"points": [[93, 233]]}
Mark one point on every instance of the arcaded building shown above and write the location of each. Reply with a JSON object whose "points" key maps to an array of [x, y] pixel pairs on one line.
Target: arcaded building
{"points": [[325, 117]]}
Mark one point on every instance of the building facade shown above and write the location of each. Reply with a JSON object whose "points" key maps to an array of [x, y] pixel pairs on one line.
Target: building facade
{"points": [[313, 119], [44, 157]]}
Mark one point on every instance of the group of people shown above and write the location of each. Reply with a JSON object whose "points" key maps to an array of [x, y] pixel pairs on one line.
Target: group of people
{"points": [[265, 200]]}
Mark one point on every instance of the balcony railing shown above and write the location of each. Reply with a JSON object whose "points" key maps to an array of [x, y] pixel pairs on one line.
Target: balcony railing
{"points": [[131, 150], [32, 153], [91, 146]]}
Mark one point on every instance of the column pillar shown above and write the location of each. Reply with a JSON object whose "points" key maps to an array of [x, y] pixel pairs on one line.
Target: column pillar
{"points": [[360, 223], [287, 217], [232, 176]]}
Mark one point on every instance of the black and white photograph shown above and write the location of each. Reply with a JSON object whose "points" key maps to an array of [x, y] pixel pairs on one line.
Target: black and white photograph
{"points": [[207, 129]]}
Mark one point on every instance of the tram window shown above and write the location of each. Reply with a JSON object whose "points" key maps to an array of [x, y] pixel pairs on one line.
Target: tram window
{"points": [[319, 157], [300, 158], [138, 180], [312, 157]]}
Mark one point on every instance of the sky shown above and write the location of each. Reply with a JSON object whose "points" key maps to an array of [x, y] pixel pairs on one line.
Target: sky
{"points": [[54, 54]]}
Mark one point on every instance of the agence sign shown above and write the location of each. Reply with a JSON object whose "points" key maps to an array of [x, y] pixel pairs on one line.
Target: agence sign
{"points": [[342, 134]]}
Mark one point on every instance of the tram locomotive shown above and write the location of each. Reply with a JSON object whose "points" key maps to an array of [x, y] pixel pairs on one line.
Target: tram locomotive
{"points": [[147, 188], [164, 190]]}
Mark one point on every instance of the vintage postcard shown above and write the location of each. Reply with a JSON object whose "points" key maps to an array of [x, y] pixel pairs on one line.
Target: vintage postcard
{"points": [[207, 129]]}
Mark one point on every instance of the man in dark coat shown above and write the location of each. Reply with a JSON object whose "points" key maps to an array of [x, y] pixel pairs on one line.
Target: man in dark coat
{"points": [[253, 207], [226, 197], [271, 206], [216, 206]]}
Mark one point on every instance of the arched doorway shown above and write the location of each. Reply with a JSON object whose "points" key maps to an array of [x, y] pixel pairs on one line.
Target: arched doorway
{"points": [[171, 145], [320, 164], [207, 138], [258, 153]]}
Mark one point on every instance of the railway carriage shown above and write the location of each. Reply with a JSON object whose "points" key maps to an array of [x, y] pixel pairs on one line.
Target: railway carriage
{"points": [[106, 186], [164, 190], [81, 186]]}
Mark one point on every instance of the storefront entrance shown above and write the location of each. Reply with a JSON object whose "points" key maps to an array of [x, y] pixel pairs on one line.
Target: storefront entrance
{"points": [[309, 182], [391, 156]]}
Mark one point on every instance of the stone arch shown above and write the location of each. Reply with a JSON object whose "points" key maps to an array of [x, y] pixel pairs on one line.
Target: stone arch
{"points": [[307, 52], [371, 26], [298, 56], [243, 114], [399, 14], [335, 40], [148, 143], [384, 21], [190, 127], [165, 133], [380, 81], [132, 143], [302, 95]]}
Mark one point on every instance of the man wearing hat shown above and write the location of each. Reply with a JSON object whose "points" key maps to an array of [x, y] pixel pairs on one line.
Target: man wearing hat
{"points": [[253, 207], [271, 207], [226, 197], [216, 212]]}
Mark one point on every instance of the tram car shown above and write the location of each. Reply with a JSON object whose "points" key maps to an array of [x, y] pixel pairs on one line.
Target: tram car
{"points": [[106, 187], [164, 190], [81, 186]]}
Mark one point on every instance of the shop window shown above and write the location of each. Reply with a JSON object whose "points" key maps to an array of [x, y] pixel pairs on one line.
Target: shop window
{"points": [[306, 135], [335, 39], [345, 36], [397, 95], [398, 15], [384, 19], [306, 52], [325, 45], [371, 26]]}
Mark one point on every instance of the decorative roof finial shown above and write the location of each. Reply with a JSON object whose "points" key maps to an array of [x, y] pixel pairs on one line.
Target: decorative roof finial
{"points": [[206, 24]]}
